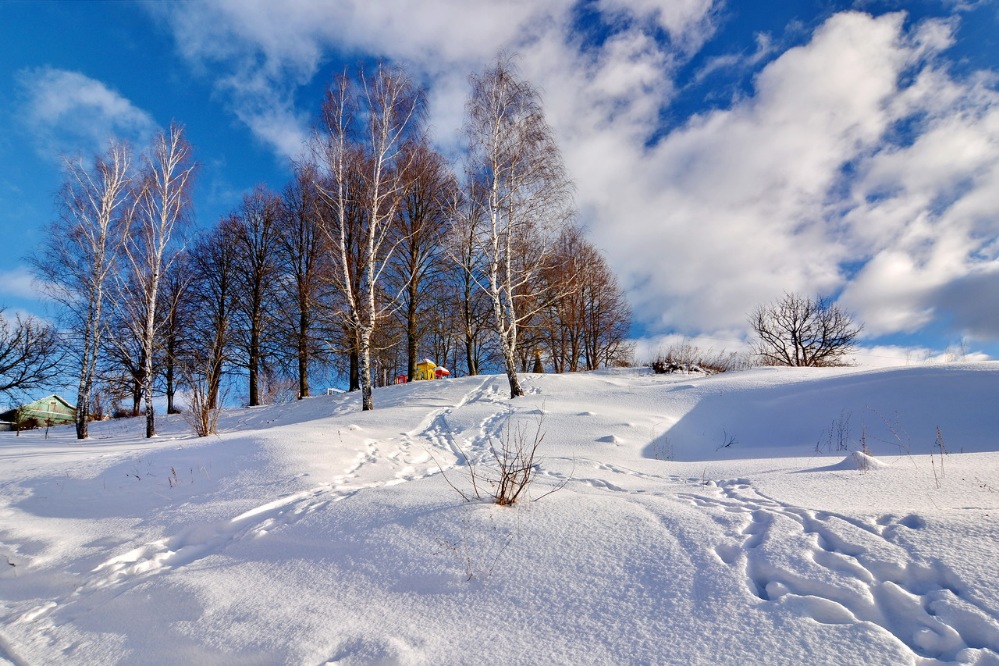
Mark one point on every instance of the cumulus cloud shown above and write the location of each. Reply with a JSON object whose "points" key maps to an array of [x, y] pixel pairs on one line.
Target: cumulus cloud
{"points": [[69, 112], [271, 49], [858, 165]]}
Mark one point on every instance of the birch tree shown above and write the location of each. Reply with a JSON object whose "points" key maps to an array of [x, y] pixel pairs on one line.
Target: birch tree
{"points": [[520, 183], [389, 111], [163, 204], [82, 251]]}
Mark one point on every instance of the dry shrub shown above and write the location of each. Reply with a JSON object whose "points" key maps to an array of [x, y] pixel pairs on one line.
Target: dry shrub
{"points": [[687, 358], [201, 415], [515, 459]]}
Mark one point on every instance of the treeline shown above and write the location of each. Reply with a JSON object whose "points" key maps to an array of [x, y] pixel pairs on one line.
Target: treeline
{"points": [[373, 256]]}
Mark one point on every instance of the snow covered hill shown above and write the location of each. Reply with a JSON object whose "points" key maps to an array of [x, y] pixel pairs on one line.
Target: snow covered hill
{"points": [[694, 520]]}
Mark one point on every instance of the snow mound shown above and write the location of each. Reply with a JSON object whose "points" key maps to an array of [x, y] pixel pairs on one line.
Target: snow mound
{"points": [[860, 461], [311, 532]]}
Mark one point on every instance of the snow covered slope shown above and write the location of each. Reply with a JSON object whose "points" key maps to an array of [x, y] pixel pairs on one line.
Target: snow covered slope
{"points": [[695, 520]]}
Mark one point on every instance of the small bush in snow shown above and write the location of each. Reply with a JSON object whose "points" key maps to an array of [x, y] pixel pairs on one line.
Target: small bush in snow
{"points": [[201, 415], [515, 458], [685, 357]]}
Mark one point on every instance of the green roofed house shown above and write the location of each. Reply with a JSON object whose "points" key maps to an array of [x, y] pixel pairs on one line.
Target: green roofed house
{"points": [[51, 410]]}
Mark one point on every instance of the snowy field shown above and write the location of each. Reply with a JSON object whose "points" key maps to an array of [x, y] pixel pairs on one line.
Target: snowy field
{"points": [[695, 520]]}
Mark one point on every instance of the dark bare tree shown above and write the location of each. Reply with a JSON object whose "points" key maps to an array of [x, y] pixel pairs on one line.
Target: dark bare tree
{"points": [[520, 184], [31, 354], [80, 254], [121, 362], [801, 331], [463, 282], [255, 233], [301, 255], [587, 324], [176, 317], [213, 293], [421, 225]]}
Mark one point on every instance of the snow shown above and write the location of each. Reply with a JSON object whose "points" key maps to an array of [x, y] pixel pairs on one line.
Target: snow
{"points": [[730, 519]]}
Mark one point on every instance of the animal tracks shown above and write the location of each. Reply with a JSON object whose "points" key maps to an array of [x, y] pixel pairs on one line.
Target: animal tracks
{"points": [[838, 569]]}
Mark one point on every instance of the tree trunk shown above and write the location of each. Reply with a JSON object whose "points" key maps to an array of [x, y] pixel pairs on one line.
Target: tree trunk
{"points": [[303, 353], [254, 367], [83, 409], [470, 356], [367, 402], [171, 388], [411, 331], [355, 371], [511, 373]]}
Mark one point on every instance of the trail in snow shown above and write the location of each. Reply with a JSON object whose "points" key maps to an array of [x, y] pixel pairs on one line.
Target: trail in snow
{"points": [[123, 572], [840, 570]]}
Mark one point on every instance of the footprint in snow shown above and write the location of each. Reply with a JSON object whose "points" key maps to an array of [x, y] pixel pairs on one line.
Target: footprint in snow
{"points": [[841, 570]]}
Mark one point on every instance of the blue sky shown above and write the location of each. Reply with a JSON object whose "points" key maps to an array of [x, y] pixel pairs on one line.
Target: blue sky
{"points": [[723, 152]]}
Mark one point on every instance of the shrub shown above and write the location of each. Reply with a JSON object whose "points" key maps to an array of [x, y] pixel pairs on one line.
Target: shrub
{"points": [[685, 357], [515, 461]]}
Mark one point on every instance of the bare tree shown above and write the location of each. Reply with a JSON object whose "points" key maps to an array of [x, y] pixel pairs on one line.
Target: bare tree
{"points": [[255, 233], [121, 363], [301, 252], [466, 273], [392, 110], [213, 302], [163, 203], [81, 252], [421, 224], [520, 184], [800, 331], [31, 354], [176, 317]]}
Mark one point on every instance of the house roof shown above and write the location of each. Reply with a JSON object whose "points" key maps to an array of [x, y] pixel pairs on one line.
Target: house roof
{"points": [[50, 397]]}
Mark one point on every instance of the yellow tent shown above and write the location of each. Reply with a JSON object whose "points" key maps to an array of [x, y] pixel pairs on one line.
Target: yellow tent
{"points": [[425, 370]]}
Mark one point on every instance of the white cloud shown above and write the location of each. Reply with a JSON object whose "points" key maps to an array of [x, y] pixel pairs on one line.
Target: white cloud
{"points": [[687, 22], [270, 49], [69, 112], [18, 283]]}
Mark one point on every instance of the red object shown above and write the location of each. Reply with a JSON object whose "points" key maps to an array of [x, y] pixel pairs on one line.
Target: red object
{"points": [[442, 372], [401, 379]]}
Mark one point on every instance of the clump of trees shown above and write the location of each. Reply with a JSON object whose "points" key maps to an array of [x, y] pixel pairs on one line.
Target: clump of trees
{"points": [[798, 330], [105, 257], [374, 255]]}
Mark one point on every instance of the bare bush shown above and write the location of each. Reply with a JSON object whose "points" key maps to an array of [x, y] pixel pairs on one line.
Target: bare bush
{"points": [[515, 461], [203, 411]]}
